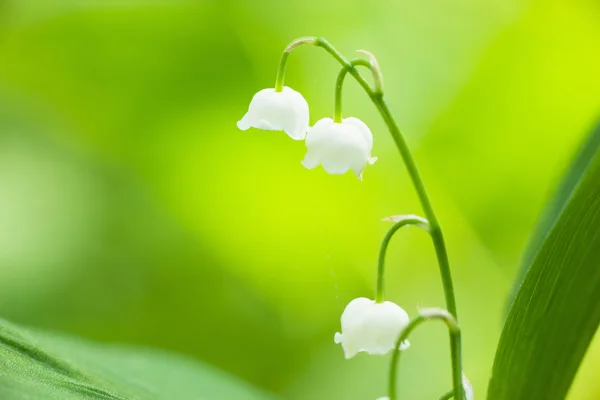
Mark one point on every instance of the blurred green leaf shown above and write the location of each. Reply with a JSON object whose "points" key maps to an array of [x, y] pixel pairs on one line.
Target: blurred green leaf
{"points": [[555, 313], [42, 365], [557, 203]]}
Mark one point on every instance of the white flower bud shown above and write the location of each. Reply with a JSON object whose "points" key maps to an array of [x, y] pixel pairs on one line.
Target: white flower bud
{"points": [[339, 146], [371, 327], [469, 395], [278, 111]]}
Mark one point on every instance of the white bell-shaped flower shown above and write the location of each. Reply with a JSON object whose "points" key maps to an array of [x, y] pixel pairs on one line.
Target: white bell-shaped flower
{"points": [[371, 327], [339, 147], [469, 395], [278, 111]]}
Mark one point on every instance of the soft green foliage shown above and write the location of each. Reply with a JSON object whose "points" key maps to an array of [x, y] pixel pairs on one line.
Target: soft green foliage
{"points": [[555, 313], [37, 365], [576, 172], [132, 210]]}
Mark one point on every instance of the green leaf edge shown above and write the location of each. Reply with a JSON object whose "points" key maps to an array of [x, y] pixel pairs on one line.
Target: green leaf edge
{"points": [[543, 343], [553, 209], [34, 363]]}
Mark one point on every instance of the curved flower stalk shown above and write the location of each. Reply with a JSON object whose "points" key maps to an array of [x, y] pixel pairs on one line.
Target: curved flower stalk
{"points": [[400, 221], [427, 314], [285, 110], [377, 97], [339, 146], [371, 327]]}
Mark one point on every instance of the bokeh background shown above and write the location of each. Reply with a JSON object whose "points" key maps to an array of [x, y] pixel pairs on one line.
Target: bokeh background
{"points": [[133, 211]]}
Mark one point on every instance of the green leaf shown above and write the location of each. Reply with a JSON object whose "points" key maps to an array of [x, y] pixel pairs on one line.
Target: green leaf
{"points": [[556, 204], [555, 313], [36, 365]]}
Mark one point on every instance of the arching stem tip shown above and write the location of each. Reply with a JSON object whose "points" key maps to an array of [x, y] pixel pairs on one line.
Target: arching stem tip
{"points": [[300, 41], [414, 220], [377, 75]]}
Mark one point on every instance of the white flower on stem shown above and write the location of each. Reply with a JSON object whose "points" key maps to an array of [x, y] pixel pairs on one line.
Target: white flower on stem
{"points": [[383, 398], [371, 327], [339, 146], [469, 395], [278, 111]]}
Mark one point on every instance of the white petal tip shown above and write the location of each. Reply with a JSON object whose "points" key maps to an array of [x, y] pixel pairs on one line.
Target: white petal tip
{"points": [[372, 160], [296, 135], [404, 345], [309, 163], [242, 125], [337, 338], [349, 354], [469, 395]]}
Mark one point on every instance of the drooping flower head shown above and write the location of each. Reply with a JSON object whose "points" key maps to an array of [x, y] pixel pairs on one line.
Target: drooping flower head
{"points": [[371, 327], [278, 111], [339, 147]]}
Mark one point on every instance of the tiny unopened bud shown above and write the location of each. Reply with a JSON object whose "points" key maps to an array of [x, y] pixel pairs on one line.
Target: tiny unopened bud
{"points": [[469, 395]]}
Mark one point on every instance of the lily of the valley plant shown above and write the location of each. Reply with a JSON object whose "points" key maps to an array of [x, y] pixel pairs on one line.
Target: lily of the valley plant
{"points": [[374, 326]]}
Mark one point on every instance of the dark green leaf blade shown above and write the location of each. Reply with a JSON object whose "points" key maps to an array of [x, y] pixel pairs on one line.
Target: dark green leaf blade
{"points": [[555, 313], [556, 204], [36, 365]]}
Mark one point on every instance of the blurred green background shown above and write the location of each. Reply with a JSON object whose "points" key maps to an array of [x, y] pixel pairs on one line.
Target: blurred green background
{"points": [[132, 210]]}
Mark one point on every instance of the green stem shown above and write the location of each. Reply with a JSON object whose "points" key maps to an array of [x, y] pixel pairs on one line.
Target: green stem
{"points": [[317, 41], [454, 332], [284, 58], [447, 395], [434, 226], [411, 166], [375, 70], [405, 220], [434, 229], [281, 71], [337, 113]]}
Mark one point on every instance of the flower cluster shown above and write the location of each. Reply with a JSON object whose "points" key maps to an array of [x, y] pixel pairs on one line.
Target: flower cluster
{"points": [[337, 146], [374, 327]]}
